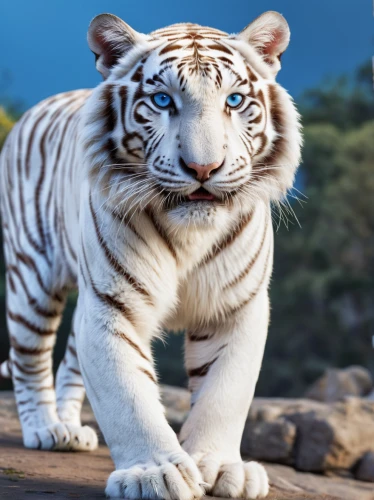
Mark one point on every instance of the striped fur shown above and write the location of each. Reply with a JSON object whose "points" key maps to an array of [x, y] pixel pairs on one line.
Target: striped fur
{"points": [[96, 197]]}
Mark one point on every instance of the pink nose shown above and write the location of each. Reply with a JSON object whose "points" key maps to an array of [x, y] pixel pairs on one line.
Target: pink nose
{"points": [[203, 171]]}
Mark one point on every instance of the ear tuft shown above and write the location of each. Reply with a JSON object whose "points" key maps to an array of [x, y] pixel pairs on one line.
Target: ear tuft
{"points": [[110, 38], [269, 34]]}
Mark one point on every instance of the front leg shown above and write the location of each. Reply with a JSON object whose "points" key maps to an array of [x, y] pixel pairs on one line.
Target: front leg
{"points": [[118, 314], [121, 384], [223, 364]]}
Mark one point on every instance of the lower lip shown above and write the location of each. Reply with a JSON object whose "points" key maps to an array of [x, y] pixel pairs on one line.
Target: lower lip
{"points": [[200, 197]]}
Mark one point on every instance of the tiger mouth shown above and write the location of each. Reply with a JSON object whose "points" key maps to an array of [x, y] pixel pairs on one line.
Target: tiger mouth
{"points": [[201, 197], [201, 194]]}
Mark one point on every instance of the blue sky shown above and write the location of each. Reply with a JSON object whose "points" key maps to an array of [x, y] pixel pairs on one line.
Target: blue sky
{"points": [[44, 50]]}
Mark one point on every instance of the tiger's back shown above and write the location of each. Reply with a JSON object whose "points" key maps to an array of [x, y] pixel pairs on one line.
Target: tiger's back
{"points": [[39, 182]]}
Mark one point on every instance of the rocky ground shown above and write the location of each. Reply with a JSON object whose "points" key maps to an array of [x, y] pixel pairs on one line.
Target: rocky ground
{"points": [[28, 474]]}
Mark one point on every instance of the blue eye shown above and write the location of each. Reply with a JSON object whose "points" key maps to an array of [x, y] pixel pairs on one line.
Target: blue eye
{"points": [[162, 100], [234, 100]]}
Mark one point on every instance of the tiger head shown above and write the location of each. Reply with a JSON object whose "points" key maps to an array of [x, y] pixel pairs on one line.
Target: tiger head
{"points": [[190, 120]]}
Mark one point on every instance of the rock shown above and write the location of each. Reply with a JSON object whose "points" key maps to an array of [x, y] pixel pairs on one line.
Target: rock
{"points": [[365, 468], [329, 437], [335, 384], [33, 474], [323, 437], [272, 441], [370, 396], [176, 398], [177, 403], [269, 433], [336, 437], [290, 484]]}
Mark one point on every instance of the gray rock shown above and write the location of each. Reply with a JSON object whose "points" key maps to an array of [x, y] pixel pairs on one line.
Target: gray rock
{"points": [[365, 468], [34, 474], [272, 441], [31, 474], [335, 384], [329, 436], [311, 435], [177, 404], [175, 397], [336, 437], [370, 396]]}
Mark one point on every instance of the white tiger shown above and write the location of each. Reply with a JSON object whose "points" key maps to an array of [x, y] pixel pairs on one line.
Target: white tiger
{"points": [[151, 195]]}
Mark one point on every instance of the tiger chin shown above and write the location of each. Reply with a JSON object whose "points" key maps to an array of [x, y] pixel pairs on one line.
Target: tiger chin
{"points": [[151, 196]]}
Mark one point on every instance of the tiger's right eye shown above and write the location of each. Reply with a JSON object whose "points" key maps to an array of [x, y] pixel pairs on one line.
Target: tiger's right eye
{"points": [[234, 100], [162, 100]]}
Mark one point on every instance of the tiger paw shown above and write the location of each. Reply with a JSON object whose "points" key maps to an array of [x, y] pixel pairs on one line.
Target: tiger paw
{"points": [[54, 436], [234, 480], [174, 477], [60, 437], [81, 438]]}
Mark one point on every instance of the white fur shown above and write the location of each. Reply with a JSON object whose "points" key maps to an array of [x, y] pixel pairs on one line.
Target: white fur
{"points": [[141, 265]]}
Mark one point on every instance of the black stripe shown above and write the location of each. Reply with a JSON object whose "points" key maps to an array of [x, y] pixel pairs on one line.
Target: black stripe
{"points": [[18, 318], [107, 111], [109, 300], [162, 233], [132, 344], [250, 264], [235, 233], [112, 259], [46, 313], [193, 337], [201, 371]]}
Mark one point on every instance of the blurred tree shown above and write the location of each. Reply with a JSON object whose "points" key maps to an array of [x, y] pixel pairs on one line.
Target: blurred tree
{"points": [[323, 286], [346, 102]]}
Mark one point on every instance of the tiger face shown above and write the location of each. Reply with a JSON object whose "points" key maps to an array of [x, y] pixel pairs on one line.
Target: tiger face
{"points": [[189, 120]]}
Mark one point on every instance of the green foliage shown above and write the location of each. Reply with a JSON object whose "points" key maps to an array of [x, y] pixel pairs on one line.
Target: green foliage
{"points": [[322, 291], [6, 123], [323, 283], [344, 102]]}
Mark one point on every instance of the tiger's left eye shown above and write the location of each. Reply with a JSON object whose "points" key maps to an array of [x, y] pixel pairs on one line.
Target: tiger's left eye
{"points": [[234, 100], [162, 100]]}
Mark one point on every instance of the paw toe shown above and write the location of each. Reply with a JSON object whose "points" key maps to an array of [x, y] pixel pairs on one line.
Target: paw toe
{"points": [[82, 438], [256, 481], [230, 481], [234, 480], [61, 437], [172, 478], [52, 437], [209, 468]]}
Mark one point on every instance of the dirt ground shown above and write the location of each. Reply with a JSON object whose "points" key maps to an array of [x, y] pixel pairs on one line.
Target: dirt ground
{"points": [[30, 474]]}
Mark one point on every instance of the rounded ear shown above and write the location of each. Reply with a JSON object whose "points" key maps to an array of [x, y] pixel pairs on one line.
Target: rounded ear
{"points": [[269, 34], [110, 38]]}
